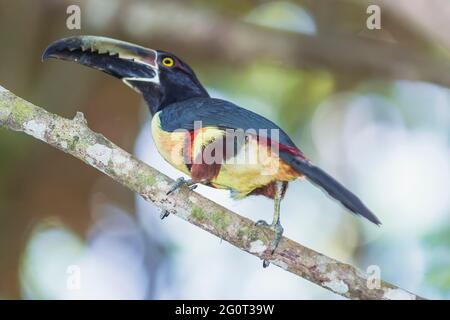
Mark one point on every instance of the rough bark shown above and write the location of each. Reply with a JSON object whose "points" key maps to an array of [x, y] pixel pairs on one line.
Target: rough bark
{"points": [[75, 138]]}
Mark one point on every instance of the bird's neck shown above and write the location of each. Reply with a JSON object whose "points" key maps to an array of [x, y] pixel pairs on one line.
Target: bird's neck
{"points": [[181, 94], [157, 101]]}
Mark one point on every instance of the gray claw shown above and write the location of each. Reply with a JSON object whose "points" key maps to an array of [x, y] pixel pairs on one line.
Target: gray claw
{"points": [[261, 223], [164, 214], [178, 183]]}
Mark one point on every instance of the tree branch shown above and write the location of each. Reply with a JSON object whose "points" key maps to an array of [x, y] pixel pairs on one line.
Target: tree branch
{"points": [[75, 138]]}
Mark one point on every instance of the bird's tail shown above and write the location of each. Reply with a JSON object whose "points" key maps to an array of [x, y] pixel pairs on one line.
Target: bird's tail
{"points": [[333, 188]]}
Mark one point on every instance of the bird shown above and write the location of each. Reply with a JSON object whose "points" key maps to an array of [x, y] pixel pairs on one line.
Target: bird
{"points": [[196, 133]]}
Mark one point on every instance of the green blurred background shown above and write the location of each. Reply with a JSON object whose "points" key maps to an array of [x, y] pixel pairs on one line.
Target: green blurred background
{"points": [[372, 107]]}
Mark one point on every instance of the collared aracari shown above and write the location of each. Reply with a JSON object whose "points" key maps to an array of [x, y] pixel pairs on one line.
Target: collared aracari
{"points": [[177, 100]]}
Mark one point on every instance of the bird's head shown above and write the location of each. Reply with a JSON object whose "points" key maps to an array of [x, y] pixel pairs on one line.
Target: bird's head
{"points": [[160, 76]]}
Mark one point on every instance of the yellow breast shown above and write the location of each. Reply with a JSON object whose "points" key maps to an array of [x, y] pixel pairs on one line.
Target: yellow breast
{"points": [[170, 145]]}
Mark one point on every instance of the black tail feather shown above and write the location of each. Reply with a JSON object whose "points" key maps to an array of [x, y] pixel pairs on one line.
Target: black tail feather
{"points": [[333, 188]]}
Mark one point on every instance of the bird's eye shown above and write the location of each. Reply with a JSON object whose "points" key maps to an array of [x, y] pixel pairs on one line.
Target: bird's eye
{"points": [[168, 62]]}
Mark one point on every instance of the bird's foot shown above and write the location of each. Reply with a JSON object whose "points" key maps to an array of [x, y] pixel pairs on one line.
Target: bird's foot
{"points": [[278, 233], [182, 182], [278, 229], [262, 223]]}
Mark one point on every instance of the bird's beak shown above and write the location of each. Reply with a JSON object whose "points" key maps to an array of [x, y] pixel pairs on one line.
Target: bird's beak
{"points": [[126, 61]]}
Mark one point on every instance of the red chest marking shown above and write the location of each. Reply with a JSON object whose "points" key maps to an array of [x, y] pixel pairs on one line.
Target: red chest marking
{"points": [[188, 147]]}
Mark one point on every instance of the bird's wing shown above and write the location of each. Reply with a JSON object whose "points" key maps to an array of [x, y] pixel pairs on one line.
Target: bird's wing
{"points": [[221, 114]]}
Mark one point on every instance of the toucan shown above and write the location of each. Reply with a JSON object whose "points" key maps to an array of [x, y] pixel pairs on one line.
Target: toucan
{"points": [[197, 133]]}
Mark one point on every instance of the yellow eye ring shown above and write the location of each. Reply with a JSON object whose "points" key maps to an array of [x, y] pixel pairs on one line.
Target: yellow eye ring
{"points": [[168, 62]]}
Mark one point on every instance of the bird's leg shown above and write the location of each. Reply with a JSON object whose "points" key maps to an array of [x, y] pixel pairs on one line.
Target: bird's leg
{"points": [[182, 182], [276, 225]]}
